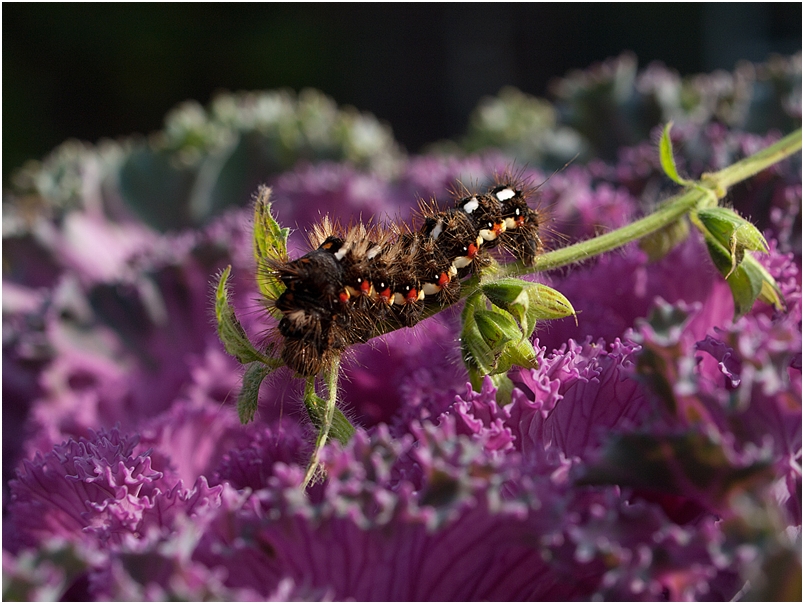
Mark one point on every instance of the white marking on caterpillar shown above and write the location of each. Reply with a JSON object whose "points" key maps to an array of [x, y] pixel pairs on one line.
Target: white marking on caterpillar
{"points": [[461, 262], [439, 228], [505, 194], [471, 205], [430, 289]]}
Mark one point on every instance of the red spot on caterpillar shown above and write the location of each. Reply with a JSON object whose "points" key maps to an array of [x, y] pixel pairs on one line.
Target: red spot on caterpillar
{"points": [[365, 286], [443, 279], [385, 295], [412, 295], [344, 296], [472, 250]]}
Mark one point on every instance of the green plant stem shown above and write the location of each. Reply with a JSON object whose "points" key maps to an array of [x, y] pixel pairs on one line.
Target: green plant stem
{"points": [[331, 379], [671, 211], [748, 167], [708, 191]]}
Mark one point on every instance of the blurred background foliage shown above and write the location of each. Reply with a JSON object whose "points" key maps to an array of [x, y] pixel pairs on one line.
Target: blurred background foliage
{"points": [[109, 70], [449, 78]]}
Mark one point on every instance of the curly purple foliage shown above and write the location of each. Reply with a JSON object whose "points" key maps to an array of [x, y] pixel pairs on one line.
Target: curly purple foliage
{"points": [[655, 453]]}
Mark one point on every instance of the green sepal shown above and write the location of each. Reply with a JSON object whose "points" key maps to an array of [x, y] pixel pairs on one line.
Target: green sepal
{"points": [[528, 302], [660, 243], [731, 231], [341, 430], [666, 158], [769, 291], [492, 342], [247, 400], [507, 342], [318, 409], [477, 353], [497, 328], [747, 281], [505, 388], [230, 331], [270, 244]]}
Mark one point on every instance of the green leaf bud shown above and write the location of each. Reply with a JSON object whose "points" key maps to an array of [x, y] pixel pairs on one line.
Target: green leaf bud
{"points": [[528, 302], [733, 232], [660, 243], [492, 342], [747, 281]]}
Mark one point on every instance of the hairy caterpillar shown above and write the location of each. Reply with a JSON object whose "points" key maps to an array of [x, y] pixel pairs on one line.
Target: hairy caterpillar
{"points": [[359, 278]]}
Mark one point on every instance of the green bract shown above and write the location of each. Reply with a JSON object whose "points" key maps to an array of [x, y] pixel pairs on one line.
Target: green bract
{"points": [[733, 232], [492, 343], [316, 406], [747, 280], [528, 302], [728, 236]]}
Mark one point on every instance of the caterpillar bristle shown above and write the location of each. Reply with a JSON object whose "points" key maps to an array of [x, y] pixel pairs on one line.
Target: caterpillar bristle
{"points": [[361, 279]]}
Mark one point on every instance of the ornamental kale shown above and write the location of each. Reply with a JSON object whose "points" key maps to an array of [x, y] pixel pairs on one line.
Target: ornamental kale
{"points": [[654, 452]]}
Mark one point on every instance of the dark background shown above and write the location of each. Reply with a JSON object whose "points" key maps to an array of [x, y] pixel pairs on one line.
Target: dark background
{"points": [[106, 70]]}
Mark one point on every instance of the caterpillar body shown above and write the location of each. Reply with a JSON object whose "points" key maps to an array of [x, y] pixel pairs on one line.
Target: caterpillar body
{"points": [[360, 278]]}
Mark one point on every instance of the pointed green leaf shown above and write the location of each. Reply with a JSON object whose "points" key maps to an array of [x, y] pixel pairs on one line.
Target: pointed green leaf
{"points": [[745, 286], [517, 354], [504, 292], [666, 157], [270, 244], [230, 331], [512, 295], [247, 400], [727, 237], [512, 347], [342, 429], [528, 302], [548, 303]]}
